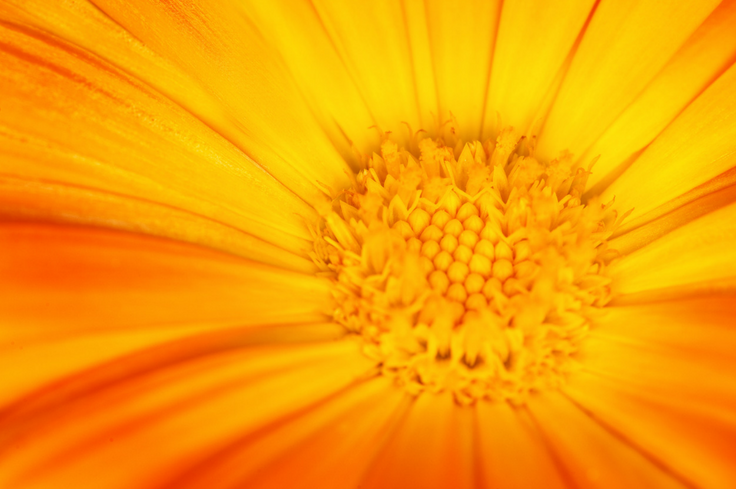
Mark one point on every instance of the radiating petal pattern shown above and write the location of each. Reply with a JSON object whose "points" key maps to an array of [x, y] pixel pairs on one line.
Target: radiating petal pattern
{"points": [[605, 76], [592, 456], [221, 49], [73, 279], [94, 125], [462, 39], [165, 413], [530, 52], [698, 146], [373, 40], [436, 440], [47, 201], [168, 317], [696, 256], [512, 452], [657, 374], [705, 56]]}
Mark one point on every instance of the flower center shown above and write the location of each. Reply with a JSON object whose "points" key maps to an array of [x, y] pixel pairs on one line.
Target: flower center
{"points": [[473, 268]]}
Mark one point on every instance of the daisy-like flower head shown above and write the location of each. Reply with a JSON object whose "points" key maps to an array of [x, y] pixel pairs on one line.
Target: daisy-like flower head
{"points": [[336, 244]]}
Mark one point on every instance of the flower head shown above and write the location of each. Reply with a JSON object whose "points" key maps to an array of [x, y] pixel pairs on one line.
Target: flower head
{"points": [[228, 260]]}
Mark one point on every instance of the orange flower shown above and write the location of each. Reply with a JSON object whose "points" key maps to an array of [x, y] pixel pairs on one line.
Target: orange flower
{"points": [[217, 270]]}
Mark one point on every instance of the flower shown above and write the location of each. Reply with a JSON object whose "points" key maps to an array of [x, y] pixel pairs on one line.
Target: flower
{"points": [[213, 274]]}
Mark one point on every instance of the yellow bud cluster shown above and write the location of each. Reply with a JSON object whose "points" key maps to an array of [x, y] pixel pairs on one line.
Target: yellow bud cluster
{"points": [[473, 268]]}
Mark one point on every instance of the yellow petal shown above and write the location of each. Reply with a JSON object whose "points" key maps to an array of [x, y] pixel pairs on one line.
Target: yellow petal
{"points": [[592, 456], [698, 256], [699, 145], [216, 44], [435, 440], [94, 125], [65, 279], [141, 428], [462, 36], [419, 34], [626, 44], [82, 24], [298, 35], [705, 55], [512, 452], [534, 38], [691, 205], [372, 39], [46, 201]]}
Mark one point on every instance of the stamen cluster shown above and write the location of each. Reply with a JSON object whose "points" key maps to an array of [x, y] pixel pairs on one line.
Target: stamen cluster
{"points": [[473, 268]]}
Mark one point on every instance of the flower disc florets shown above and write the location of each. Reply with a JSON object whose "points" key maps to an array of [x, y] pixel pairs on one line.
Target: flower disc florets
{"points": [[473, 268]]}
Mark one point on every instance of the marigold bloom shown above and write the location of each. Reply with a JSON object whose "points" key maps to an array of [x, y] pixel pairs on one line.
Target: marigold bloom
{"points": [[336, 244]]}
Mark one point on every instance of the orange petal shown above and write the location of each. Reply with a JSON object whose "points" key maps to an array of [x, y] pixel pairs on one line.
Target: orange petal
{"points": [[669, 345], [512, 452], [292, 452], [661, 375], [626, 44], [74, 279], [592, 456], [704, 57], [143, 428], [94, 125], [75, 296], [432, 448], [690, 441], [41, 200], [699, 325]]}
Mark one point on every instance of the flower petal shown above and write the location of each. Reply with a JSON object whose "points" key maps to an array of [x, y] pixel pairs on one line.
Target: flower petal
{"points": [[124, 427], [698, 146], [296, 31], [534, 39], [435, 440], [691, 205], [216, 44], [697, 256], [283, 454], [592, 456], [626, 44], [462, 37], [661, 375], [345, 449], [58, 279], [373, 40], [693, 330], [704, 57], [39, 200], [512, 452], [95, 126]]}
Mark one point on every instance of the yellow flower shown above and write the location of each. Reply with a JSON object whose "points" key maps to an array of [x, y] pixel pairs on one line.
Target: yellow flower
{"points": [[218, 268]]}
